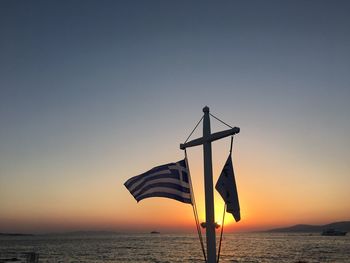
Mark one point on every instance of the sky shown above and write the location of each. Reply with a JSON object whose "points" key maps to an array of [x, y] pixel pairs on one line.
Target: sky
{"points": [[95, 92]]}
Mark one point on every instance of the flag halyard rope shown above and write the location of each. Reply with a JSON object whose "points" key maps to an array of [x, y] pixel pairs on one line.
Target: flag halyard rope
{"points": [[221, 234], [223, 216], [194, 129], [221, 121], [189, 136], [195, 212]]}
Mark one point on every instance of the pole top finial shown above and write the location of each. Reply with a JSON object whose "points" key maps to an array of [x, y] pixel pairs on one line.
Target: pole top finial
{"points": [[206, 109]]}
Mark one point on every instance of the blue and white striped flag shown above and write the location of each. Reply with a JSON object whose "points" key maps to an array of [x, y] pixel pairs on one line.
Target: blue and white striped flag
{"points": [[169, 180]]}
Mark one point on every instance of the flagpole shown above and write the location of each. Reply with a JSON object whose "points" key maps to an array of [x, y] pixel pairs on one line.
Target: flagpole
{"points": [[208, 185], [206, 140]]}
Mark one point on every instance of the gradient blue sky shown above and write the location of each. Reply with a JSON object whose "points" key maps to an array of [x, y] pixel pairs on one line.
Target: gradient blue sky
{"points": [[94, 92]]}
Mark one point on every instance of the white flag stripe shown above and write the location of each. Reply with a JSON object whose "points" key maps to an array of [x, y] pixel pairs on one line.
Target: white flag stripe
{"points": [[163, 180], [138, 182], [166, 190]]}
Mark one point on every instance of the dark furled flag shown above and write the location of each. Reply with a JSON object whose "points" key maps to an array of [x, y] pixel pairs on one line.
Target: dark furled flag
{"points": [[169, 180], [226, 186]]}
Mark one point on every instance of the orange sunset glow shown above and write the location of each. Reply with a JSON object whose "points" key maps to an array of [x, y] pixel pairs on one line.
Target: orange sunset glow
{"points": [[92, 94]]}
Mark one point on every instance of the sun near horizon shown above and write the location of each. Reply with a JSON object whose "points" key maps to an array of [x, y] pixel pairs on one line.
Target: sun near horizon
{"points": [[270, 194], [111, 207]]}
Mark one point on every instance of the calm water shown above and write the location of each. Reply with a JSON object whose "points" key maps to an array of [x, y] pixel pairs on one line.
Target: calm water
{"points": [[247, 247]]}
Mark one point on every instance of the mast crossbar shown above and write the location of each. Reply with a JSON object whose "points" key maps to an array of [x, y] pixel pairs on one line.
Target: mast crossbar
{"points": [[211, 138]]}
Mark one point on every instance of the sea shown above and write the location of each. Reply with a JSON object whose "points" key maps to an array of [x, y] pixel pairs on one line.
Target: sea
{"points": [[164, 248]]}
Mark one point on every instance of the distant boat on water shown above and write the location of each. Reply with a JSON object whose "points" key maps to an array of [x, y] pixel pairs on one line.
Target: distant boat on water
{"points": [[333, 232], [155, 232]]}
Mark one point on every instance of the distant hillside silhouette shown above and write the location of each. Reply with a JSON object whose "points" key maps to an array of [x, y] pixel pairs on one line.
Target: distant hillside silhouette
{"points": [[343, 226], [15, 234]]}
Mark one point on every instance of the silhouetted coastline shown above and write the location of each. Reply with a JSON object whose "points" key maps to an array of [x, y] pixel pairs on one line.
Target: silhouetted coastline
{"points": [[342, 226], [15, 234]]}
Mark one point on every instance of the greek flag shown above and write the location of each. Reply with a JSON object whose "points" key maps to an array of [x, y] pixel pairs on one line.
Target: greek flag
{"points": [[169, 180]]}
